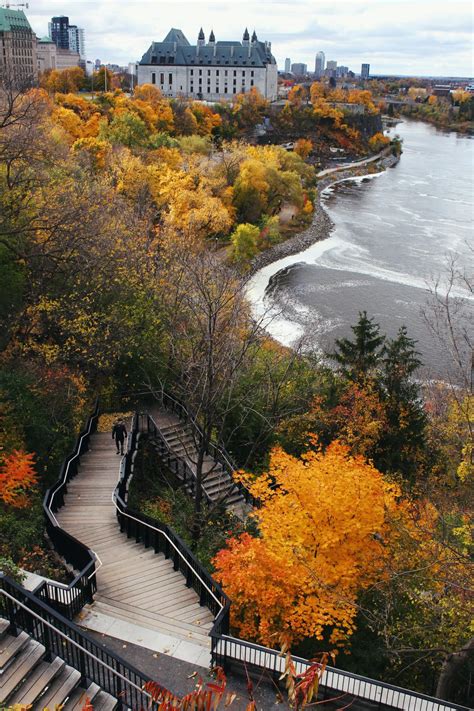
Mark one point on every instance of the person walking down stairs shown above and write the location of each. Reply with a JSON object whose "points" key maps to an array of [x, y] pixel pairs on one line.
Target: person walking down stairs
{"points": [[119, 433]]}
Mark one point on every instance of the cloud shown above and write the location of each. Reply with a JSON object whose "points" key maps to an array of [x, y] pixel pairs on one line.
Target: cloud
{"points": [[394, 36]]}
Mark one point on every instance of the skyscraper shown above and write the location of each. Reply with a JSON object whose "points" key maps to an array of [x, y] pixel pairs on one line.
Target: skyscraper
{"points": [[320, 64], [77, 40], [287, 65], [299, 69], [59, 31], [365, 71]]}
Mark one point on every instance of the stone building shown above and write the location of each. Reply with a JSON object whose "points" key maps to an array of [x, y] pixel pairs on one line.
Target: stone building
{"points": [[52, 57], [18, 62], [212, 71]]}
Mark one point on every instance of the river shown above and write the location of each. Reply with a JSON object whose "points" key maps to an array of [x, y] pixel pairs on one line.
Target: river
{"points": [[394, 235]]}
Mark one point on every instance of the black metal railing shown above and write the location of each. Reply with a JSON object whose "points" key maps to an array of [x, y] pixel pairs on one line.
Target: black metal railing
{"points": [[214, 450], [160, 537], [62, 638], [225, 649], [69, 599]]}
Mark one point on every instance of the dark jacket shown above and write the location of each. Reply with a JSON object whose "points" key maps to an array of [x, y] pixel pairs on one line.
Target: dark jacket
{"points": [[119, 432]]}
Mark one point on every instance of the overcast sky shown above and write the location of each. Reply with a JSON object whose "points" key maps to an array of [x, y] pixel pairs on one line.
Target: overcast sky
{"points": [[420, 37]]}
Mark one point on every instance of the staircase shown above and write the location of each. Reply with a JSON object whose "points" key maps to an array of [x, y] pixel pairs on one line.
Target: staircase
{"points": [[27, 679], [134, 584], [218, 484]]}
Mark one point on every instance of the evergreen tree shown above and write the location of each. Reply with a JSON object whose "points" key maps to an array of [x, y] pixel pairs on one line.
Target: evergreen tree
{"points": [[360, 358], [403, 443]]}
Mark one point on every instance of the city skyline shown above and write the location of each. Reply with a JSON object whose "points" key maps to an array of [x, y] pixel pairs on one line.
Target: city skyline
{"points": [[394, 37]]}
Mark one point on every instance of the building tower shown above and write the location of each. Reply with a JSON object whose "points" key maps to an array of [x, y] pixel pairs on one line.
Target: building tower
{"points": [[287, 65], [246, 38], [201, 39], [59, 31], [212, 39], [77, 41], [320, 64], [365, 71]]}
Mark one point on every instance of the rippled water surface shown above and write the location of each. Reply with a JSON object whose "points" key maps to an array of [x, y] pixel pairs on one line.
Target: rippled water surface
{"points": [[394, 234]]}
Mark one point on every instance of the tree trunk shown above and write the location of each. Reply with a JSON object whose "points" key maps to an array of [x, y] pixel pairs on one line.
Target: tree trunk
{"points": [[450, 666]]}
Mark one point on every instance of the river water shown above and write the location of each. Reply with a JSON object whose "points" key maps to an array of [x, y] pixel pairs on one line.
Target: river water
{"points": [[393, 238]]}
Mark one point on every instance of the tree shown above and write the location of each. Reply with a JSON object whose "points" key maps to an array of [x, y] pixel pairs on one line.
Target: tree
{"points": [[17, 477], [360, 359], [323, 524], [403, 439], [244, 243], [127, 129], [303, 147]]}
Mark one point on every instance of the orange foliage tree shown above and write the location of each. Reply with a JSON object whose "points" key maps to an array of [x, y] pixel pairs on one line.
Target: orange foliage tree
{"points": [[323, 522], [17, 477]]}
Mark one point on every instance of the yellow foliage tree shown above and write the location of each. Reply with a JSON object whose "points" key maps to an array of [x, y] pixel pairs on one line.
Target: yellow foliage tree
{"points": [[323, 522]]}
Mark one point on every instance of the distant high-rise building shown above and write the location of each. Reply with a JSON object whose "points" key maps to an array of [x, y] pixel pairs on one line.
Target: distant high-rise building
{"points": [[341, 71], [77, 42], [365, 71], [299, 69], [287, 65], [59, 31], [331, 68], [320, 64]]}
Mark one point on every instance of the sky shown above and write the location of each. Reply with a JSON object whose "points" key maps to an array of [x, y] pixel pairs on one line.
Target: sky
{"points": [[418, 37]]}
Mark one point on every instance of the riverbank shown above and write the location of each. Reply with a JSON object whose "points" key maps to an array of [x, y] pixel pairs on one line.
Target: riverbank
{"points": [[322, 224]]}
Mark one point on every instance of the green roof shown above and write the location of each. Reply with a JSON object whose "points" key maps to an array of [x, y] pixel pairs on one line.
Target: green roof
{"points": [[13, 19]]}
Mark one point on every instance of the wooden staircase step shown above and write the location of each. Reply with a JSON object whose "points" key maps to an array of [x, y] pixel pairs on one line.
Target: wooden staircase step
{"points": [[59, 690], [20, 668], [11, 646], [79, 696], [37, 681]]}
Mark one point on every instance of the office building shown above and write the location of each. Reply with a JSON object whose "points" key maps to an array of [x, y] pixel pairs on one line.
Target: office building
{"points": [[59, 31], [320, 64], [365, 71], [299, 69], [77, 42], [287, 65], [18, 63], [211, 71]]}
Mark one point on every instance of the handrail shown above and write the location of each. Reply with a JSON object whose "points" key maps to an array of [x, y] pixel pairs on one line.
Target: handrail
{"points": [[76, 594], [63, 637], [122, 509], [71, 641], [219, 453], [224, 647], [165, 535]]}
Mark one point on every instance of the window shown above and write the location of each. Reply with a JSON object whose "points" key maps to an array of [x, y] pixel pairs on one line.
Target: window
{"points": [[208, 72], [162, 78], [235, 72], [192, 72], [234, 90], [153, 78], [225, 73], [191, 88], [251, 82], [217, 72], [200, 72], [225, 90], [252, 73], [170, 78]]}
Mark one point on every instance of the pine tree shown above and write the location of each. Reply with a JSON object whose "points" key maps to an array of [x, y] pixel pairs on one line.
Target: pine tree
{"points": [[360, 358], [403, 443]]}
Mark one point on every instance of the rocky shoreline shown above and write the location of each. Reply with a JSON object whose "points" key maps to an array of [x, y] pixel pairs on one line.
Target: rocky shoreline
{"points": [[322, 224]]}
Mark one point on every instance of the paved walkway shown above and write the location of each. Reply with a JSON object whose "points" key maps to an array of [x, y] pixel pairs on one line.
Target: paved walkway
{"points": [[140, 597]]}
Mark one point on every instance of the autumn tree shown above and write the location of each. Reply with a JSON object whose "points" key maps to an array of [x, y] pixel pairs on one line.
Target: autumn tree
{"points": [[17, 478], [244, 243], [323, 524]]}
